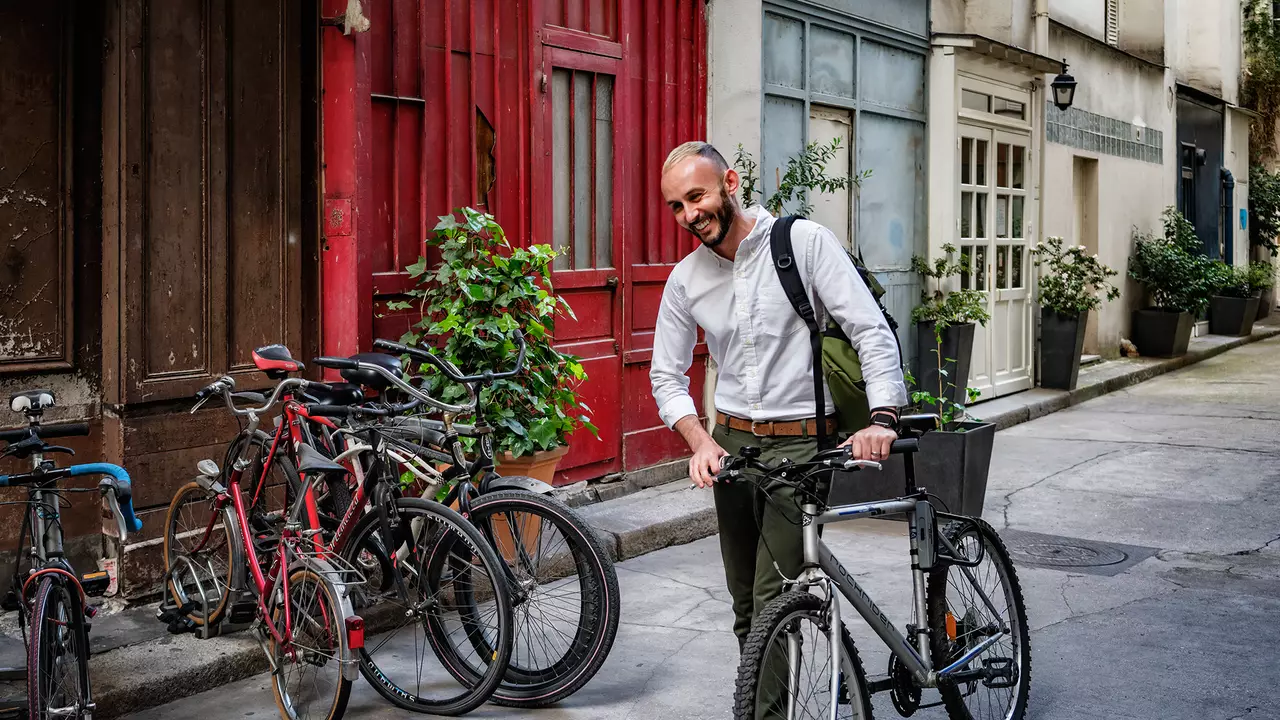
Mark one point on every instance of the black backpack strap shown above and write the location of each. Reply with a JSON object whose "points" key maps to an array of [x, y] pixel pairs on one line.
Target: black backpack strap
{"points": [[785, 263]]}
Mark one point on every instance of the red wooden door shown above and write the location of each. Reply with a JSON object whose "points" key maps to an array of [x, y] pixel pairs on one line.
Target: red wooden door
{"points": [[578, 146]]}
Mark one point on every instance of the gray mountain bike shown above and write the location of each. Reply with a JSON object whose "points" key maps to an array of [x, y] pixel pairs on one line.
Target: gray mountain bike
{"points": [[968, 636]]}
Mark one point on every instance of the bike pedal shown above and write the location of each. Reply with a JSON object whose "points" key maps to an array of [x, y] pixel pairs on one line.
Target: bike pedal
{"points": [[91, 611], [1002, 673], [95, 584], [243, 610]]}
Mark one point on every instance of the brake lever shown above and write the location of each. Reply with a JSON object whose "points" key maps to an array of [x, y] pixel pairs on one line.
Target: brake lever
{"points": [[199, 404], [57, 449]]}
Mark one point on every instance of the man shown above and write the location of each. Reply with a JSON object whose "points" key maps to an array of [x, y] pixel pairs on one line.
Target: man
{"points": [[729, 288]]}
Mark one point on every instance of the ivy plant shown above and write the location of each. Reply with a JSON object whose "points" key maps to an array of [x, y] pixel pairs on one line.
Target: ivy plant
{"points": [[483, 289], [956, 307], [1260, 78], [1072, 279], [1173, 266], [1264, 209]]}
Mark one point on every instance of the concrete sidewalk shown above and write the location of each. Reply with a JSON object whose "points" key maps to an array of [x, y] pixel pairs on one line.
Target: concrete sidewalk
{"points": [[138, 665]]}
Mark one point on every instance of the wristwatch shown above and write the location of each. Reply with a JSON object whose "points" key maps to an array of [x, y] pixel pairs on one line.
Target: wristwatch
{"points": [[885, 418]]}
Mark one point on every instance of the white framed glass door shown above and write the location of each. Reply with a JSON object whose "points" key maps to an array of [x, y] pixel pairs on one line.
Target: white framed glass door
{"points": [[993, 231]]}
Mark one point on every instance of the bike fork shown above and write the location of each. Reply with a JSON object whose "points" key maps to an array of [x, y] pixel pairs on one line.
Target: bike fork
{"points": [[836, 648]]}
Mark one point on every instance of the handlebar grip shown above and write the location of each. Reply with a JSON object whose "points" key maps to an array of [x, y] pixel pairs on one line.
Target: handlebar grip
{"points": [[336, 363], [905, 445], [391, 346], [330, 410], [66, 430]]}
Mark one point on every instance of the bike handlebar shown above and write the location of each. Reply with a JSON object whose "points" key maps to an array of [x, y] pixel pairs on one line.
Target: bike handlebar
{"points": [[452, 372], [46, 431], [116, 487]]}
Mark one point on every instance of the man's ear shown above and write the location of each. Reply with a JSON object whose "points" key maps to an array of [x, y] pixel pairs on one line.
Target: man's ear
{"points": [[732, 181]]}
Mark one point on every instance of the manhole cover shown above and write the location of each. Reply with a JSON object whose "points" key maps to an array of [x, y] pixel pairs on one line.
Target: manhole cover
{"points": [[1068, 554], [1058, 552]]}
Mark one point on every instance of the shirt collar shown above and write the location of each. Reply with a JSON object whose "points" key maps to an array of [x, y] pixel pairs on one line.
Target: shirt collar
{"points": [[747, 248]]}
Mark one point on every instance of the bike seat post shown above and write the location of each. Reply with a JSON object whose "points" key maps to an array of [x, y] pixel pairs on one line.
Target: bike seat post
{"points": [[909, 466]]}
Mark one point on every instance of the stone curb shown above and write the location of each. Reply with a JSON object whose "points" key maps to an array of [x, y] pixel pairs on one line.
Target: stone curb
{"points": [[137, 677]]}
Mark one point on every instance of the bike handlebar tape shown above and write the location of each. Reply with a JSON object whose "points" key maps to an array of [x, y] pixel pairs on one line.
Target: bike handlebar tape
{"points": [[118, 483], [905, 445]]}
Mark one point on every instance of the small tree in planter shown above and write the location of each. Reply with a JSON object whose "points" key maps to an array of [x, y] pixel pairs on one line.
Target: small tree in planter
{"points": [[945, 325], [1180, 281], [1234, 305], [1069, 288], [1262, 278], [482, 290]]}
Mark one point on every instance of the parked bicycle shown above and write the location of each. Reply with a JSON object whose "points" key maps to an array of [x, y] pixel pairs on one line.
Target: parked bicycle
{"points": [[51, 597], [295, 595], [968, 636], [563, 584], [438, 581]]}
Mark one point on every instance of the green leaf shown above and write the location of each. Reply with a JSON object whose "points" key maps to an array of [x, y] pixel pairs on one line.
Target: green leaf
{"points": [[399, 305], [418, 268]]}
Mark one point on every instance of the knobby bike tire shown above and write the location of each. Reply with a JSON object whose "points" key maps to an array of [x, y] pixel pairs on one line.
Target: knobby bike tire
{"points": [[336, 704], [189, 496], [366, 537], [773, 619], [946, 651], [529, 684], [58, 634]]}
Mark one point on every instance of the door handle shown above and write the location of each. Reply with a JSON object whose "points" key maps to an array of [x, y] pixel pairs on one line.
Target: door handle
{"points": [[611, 281]]}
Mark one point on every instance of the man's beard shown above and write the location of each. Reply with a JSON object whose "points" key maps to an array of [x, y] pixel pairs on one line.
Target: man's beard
{"points": [[724, 217]]}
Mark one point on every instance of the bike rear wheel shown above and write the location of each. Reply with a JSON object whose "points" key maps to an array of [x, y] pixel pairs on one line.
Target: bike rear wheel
{"points": [[770, 685], [196, 528], [566, 599], [309, 683], [58, 653], [408, 651], [960, 619]]}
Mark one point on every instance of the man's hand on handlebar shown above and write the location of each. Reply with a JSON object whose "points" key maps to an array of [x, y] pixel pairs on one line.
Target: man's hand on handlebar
{"points": [[871, 443], [705, 463]]}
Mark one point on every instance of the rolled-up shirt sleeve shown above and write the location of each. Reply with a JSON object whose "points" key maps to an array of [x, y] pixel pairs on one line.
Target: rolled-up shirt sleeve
{"points": [[674, 337], [844, 295]]}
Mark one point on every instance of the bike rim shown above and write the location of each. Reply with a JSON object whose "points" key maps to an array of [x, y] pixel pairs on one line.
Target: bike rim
{"points": [[970, 621], [310, 667], [808, 677], [61, 690], [186, 537]]}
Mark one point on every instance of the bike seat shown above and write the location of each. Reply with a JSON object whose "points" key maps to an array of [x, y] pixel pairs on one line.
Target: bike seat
{"points": [[919, 424], [311, 461], [335, 394], [369, 378], [276, 361], [31, 401]]}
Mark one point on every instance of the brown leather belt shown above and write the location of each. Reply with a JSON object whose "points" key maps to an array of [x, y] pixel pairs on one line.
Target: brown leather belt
{"points": [[792, 428]]}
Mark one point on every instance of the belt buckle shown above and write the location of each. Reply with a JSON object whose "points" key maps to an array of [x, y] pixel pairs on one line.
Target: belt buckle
{"points": [[753, 428]]}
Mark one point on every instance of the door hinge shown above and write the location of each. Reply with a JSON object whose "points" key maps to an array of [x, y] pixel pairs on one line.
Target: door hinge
{"points": [[542, 83]]}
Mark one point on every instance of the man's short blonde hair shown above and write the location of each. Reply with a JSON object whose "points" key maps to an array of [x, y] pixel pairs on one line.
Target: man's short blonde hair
{"points": [[695, 148]]}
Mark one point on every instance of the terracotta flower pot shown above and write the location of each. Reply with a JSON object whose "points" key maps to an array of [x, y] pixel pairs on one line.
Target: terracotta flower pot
{"points": [[539, 466]]}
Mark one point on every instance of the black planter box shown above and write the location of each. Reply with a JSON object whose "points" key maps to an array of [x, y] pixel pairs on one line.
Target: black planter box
{"points": [[1232, 315], [1061, 342], [951, 465], [1267, 301], [1162, 333], [957, 344]]}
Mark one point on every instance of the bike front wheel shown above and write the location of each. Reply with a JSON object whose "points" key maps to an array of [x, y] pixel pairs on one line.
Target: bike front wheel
{"points": [[309, 682], [58, 654], [967, 607], [785, 670]]}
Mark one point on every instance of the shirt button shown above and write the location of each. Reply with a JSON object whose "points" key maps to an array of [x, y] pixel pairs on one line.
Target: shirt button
{"points": [[756, 406]]}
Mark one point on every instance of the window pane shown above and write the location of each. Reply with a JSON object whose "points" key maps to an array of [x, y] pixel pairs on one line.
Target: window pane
{"points": [[971, 100], [583, 113], [1002, 274], [980, 216], [1017, 266], [1017, 171], [1008, 108], [891, 76], [1002, 165], [604, 171], [966, 262], [1017, 217], [966, 214], [783, 51], [1002, 216], [831, 58], [981, 161], [560, 166], [966, 161], [980, 267]]}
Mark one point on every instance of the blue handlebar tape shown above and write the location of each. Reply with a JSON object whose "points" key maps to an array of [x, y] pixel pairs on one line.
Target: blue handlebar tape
{"points": [[123, 488]]}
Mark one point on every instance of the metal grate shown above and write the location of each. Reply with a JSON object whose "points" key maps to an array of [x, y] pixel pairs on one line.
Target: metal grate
{"points": [[1057, 552], [1113, 22]]}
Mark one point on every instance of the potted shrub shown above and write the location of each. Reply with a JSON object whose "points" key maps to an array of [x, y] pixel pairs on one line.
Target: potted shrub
{"points": [[1178, 278], [1262, 278], [1234, 305], [1069, 288], [953, 462], [945, 324], [482, 289], [1264, 228]]}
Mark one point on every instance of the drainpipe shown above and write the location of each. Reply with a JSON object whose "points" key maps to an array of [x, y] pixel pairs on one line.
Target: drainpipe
{"points": [[1041, 17], [1039, 96]]}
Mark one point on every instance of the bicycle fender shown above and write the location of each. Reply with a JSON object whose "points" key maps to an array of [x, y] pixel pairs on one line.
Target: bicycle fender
{"points": [[339, 581], [519, 482]]}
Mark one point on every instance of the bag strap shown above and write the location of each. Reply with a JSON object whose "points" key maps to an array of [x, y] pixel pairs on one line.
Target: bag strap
{"points": [[793, 286]]}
